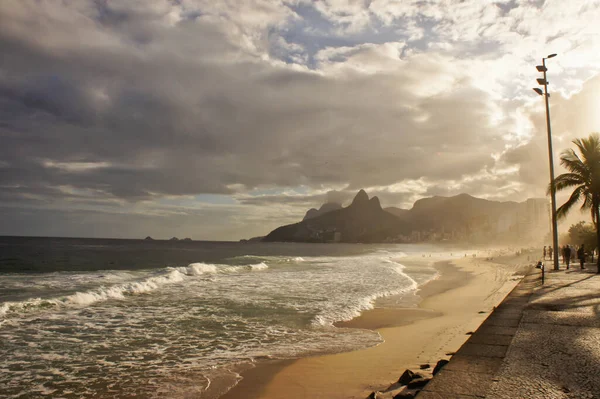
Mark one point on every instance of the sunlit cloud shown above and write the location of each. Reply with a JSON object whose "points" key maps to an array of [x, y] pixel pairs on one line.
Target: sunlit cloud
{"points": [[226, 118]]}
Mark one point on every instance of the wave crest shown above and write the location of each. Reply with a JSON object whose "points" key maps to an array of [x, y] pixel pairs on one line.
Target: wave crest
{"points": [[329, 317], [170, 275]]}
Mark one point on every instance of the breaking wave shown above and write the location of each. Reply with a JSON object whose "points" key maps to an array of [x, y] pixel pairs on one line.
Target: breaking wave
{"points": [[168, 276], [331, 316], [255, 267]]}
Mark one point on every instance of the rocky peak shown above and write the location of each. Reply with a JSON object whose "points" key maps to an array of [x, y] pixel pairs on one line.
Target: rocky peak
{"points": [[361, 198], [374, 203], [327, 207], [311, 213]]}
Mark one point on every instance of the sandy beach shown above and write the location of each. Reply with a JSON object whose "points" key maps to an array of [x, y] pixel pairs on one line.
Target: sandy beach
{"points": [[452, 305]]}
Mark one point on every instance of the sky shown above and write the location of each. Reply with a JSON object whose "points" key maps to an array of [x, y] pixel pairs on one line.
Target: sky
{"points": [[223, 119]]}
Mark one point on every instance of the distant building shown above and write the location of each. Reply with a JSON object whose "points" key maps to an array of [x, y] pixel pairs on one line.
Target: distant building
{"points": [[337, 236]]}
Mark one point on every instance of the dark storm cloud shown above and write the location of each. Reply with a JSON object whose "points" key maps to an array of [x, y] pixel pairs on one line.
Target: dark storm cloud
{"points": [[186, 120], [123, 102]]}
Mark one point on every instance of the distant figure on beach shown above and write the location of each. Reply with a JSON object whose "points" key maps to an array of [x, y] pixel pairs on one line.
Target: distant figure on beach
{"points": [[567, 256], [581, 255], [544, 252]]}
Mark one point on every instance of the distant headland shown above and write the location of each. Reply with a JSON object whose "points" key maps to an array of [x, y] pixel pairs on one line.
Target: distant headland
{"points": [[458, 218], [187, 239]]}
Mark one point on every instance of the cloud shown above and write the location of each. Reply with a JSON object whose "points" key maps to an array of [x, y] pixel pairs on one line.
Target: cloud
{"points": [[113, 104]]}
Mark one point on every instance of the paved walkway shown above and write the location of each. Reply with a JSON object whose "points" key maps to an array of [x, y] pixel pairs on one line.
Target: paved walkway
{"points": [[542, 342]]}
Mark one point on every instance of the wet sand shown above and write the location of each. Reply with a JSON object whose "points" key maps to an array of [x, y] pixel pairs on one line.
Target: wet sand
{"points": [[450, 308]]}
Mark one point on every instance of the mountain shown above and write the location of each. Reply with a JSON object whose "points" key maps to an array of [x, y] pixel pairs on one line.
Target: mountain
{"points": [[449, 212], [458, 218], [362, 221], [398, 212], [464, 217], [327, 207]]}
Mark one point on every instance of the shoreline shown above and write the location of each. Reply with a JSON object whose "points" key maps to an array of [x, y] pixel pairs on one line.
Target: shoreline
{"points": [[255, 380], [450, 307]]}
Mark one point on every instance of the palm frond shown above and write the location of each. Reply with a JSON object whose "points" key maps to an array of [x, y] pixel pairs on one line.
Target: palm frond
{"points": [[566, 180], [564, 209], [571, 161], [589, 148], [587, 201], [583, 176]]}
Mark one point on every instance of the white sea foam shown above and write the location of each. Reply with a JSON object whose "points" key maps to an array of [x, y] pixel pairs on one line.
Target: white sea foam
{"points": [[360, 305], [119, 291], [259, 307], [242, 268], [197, 269], [259, 266], [4, 308], [122, 291], [356, 306]]}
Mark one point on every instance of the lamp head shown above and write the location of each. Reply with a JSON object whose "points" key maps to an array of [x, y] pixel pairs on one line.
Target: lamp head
{"points": [[551, 56], [538, 90]]}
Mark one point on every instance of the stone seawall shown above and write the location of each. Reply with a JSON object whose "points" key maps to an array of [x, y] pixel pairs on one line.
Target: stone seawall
{"points": [[472, 370], [541, 342]]}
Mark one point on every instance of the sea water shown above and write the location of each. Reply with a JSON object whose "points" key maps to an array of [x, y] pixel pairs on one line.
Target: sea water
{"points": [[122, 318]]}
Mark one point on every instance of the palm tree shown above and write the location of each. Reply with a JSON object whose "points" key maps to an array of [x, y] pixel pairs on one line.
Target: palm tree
{"points": [[584, 177]]}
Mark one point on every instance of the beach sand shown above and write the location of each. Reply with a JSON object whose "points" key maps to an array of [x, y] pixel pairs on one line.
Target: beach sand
{"points": [[452, 306]]}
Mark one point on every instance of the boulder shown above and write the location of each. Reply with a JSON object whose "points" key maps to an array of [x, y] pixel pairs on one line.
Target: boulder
{"points": [[404, 395], [424, 366], [439, 366], [418, 383], [374, 395], [406, 377]]}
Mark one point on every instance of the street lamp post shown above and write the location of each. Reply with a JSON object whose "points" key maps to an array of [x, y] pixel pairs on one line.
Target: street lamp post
{"points": [[544, 82]]}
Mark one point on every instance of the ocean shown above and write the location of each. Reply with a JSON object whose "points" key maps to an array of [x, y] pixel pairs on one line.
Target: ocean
{"points": [[91, 318]]}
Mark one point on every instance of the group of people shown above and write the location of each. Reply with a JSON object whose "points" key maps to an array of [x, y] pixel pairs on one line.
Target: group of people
{"points": [[568, 253]]}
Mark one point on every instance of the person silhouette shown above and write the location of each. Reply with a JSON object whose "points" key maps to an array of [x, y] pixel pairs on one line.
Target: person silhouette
{"points": [[544, 252], [581, 255], [568, 256]]}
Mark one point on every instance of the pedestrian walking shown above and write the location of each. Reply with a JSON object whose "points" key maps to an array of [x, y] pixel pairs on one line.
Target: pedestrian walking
{"points": [[544, 252], [581, 255], [567, 256]]}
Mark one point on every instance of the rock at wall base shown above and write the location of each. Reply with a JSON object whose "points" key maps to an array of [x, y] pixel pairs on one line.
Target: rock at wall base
{"points": [[439, 366], [418, 383]]}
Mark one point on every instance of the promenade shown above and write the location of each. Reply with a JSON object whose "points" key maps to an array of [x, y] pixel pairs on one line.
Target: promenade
{"points": [[541, 342]]}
